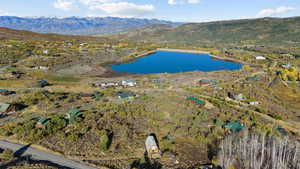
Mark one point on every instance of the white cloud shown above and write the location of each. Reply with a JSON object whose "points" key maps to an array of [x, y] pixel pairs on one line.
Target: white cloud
{"points": [[193, 1], [172, 2], [3, 13], [124, 9], [270, 12], [175, 2], [65, 5], [94, 2]]}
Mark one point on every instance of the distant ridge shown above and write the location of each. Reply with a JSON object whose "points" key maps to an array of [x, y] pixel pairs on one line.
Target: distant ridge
{"points": [[12, 34], [279, 31], [77, 25]]}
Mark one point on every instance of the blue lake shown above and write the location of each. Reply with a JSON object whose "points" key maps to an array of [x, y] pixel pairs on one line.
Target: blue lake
{"points": [[175, 62]]}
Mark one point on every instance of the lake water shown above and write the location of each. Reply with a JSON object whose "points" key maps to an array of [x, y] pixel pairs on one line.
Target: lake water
{"points": [[175, 62]]}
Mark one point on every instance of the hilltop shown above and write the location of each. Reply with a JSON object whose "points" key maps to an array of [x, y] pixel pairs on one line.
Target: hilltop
{"points": [[78, 26], [280, 31]]}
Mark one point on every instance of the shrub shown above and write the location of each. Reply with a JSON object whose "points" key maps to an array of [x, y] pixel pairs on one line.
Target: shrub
{"points": [[7, 154], [104, 143]]}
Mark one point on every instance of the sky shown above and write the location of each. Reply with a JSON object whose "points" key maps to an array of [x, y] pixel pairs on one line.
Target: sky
{"points": [[173, 10]]}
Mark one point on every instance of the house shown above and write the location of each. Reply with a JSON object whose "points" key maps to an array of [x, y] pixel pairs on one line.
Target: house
{"points": [[40, 68], [234, 126], [152, 148], [42, 123], [195, 100], [126, 95], [4, 108], [43, 83], [286, 66], [130, 83], [254, 78], [204, 82], [69, 43], [73, 114], [83, 44], [216, 87], [105, 84], [46, 52], [260, 58], [236, 96], [254, 103], [5, 92], [86, 96], [9, 108]]}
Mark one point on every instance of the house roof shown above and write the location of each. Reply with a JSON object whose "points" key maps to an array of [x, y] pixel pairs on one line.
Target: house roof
{"points": [[73, 113], [43, 120], [234, 126], [196, 100], [4, 107], [125, 94], [254, 78], [3, 90]]}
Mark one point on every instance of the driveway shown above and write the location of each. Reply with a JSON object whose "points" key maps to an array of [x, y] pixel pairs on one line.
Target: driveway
{"points": [[24, 150]]}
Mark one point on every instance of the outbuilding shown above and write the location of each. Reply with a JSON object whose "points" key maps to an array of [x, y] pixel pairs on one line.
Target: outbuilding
{"points": [[152, 147], [260, 58], [42, 123]]}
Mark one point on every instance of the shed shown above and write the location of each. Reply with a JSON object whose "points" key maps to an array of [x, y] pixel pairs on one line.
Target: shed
{"points": [[234, 126], [42, 123], [152, 147]]}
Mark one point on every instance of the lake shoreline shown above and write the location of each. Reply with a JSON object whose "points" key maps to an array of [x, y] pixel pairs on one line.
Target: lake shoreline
{"points": [[202, 52], [111, 72]]}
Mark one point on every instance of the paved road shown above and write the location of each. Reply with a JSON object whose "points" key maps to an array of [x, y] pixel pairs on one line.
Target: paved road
{"points": [[41, 155]]}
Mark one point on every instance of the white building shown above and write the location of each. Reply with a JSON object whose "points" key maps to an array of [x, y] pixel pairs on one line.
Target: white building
{"points": [[260, 58], [130, 83], [253, 103], [45, 52]]}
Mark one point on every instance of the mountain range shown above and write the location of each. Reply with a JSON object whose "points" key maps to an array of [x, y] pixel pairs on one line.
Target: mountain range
{"points": [[77, 25]]}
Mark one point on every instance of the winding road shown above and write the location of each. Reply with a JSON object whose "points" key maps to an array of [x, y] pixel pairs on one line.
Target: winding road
{"points": [[41, 155]]}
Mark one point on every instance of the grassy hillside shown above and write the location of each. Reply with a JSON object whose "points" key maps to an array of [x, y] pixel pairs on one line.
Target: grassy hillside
{"points": [[254, 31], [11, 34]]}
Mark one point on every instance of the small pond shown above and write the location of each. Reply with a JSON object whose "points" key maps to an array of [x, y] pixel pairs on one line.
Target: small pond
{"points": [[175, 62]]}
